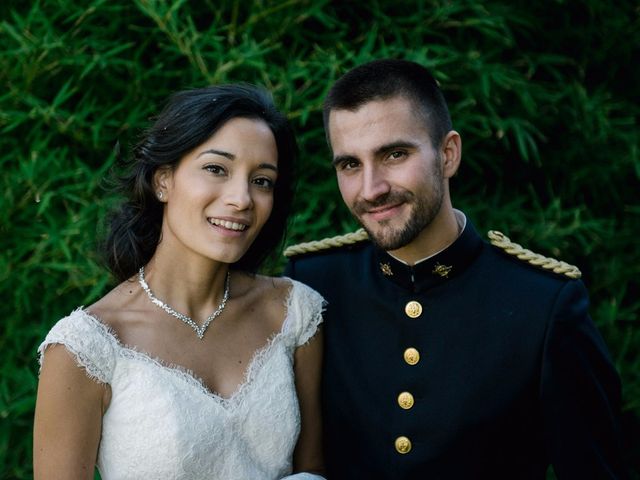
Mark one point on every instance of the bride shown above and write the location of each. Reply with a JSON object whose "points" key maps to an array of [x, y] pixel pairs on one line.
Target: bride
{"points": [[194, 366]]}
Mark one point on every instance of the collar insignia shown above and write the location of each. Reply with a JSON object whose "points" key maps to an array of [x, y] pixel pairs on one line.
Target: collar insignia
{"points": [[386, 269], [442, 270]]}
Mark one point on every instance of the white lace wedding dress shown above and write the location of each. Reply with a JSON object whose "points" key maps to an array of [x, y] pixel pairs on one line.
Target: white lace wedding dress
{"points": [[163, 423]]}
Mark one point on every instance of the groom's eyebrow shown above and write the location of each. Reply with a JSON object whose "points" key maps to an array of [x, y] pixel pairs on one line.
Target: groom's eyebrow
{"points": [[338, 159], [386, 148], [394, 145]]}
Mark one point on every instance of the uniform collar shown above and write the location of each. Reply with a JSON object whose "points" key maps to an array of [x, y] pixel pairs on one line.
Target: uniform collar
{"points": [[437, 269]]}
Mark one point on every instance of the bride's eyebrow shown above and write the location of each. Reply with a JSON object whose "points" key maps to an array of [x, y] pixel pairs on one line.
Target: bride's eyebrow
{"points": [[231, 156], [222, 153], [269, 166]]}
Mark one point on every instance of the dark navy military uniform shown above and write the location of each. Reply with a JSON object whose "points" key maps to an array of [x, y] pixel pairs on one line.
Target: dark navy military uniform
{"points": [[470, 365]]}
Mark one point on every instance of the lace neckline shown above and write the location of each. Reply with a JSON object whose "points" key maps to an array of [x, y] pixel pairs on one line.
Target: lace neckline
{"points": [[258, 359]]}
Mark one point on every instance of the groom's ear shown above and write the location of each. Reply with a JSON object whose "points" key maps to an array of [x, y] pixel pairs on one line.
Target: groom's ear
{"points": [[451, 151]]}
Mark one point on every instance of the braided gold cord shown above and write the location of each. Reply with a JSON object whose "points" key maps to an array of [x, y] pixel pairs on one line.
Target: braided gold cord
{"points": [[500, 240], [332, 242]]}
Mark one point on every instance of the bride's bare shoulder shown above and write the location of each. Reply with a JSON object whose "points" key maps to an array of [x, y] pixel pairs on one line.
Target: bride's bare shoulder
{"points": [[115, 306], [267, 294], [254, 285]]}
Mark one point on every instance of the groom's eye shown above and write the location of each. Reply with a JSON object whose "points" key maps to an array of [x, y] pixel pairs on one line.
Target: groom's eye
{"points": [[349, 164], [398, 154]]}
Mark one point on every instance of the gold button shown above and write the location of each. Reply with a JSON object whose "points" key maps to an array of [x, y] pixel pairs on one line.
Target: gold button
{"points": [[403, 445], [411, 356], [405, 400], [413, 309]]}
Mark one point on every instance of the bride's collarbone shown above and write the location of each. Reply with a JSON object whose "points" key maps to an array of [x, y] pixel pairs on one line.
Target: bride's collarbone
{"points": [[220, 360]]}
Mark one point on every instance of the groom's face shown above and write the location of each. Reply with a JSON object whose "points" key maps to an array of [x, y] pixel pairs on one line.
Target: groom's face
{"points": [[389, 174]]}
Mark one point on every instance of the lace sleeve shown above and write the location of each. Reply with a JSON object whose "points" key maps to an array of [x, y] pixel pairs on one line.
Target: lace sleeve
{"points": [[304, 313], [87, 340]]}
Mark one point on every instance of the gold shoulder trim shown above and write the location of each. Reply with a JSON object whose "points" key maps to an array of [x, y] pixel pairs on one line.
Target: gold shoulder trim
{"points": [[500, 240], [327, 243]]}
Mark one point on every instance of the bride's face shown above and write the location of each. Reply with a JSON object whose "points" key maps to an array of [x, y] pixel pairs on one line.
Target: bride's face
{"points": [[220, 195]]}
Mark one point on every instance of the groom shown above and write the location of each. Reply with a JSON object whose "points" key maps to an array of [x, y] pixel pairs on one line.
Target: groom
{"points": [[446, 357]]}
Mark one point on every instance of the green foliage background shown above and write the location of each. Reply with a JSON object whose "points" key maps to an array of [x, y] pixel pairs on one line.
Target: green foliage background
{"points": [[545, 95]]}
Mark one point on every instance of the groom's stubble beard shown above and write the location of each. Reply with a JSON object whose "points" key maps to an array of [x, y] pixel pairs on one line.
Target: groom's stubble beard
{"points": [[424, 208]]}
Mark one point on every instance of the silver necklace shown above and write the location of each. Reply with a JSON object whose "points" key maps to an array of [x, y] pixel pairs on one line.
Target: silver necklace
{"points": [[188, 320]]}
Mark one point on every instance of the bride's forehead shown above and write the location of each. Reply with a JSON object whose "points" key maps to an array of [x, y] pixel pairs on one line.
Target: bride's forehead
{"points": [[239, 140]]}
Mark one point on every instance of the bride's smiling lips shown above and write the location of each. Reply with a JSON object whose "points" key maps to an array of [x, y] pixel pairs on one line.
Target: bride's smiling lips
{"points": [[229, 225]]}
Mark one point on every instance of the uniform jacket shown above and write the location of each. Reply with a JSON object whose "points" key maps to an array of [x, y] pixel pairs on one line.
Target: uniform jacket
{"points": [[500, 374]]}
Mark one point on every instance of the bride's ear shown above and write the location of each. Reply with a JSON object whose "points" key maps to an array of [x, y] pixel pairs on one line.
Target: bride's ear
{"points": [[162, 182]]}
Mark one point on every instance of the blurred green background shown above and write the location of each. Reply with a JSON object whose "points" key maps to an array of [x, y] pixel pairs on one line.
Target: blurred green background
{"points": [[545, 95]]}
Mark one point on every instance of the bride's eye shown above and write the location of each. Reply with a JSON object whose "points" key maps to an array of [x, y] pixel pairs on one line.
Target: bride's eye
{"points": [[214, 169], [264, 182]]}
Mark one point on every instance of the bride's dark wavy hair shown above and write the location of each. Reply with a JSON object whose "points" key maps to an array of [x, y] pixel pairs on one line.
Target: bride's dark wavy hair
{"points": [[189, 119]]}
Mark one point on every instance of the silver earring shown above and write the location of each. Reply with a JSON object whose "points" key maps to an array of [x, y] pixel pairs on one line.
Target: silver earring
{"points": [[159, 195]]}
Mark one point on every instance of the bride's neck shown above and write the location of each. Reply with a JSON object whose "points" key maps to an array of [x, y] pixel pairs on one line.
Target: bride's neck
{"points": [[195, 284]]}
